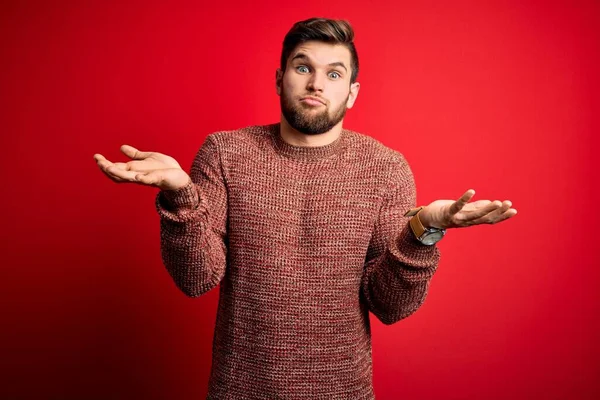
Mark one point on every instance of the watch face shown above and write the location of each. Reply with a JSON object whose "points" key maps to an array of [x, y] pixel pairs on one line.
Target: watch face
{"points": [[430, 238]]}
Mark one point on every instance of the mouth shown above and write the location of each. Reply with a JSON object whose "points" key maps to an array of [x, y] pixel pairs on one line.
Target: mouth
{"points": [[313, 101]]}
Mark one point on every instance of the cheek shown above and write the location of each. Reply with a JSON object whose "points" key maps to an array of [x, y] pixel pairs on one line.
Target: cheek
{"points": [[289, 83], [340, 95]]}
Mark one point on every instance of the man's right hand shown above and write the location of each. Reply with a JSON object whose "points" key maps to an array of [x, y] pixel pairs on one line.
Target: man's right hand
{"points": [[147, 168]]}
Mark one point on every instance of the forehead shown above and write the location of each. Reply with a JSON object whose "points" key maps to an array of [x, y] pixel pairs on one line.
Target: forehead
{"points": [[322, 53]]}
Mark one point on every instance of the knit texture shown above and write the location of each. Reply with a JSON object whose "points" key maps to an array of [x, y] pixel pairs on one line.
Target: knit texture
{"points": [[304, 242]]}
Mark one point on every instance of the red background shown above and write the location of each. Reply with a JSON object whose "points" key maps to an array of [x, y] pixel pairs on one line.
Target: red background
{"points": [[501, 97]]}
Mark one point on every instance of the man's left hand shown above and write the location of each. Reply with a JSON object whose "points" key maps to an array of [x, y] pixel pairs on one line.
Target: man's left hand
{"points": [[460, 213]]}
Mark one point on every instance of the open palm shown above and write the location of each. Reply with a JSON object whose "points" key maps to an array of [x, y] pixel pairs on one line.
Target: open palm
{"points": [[147, 168], [460, 213]]}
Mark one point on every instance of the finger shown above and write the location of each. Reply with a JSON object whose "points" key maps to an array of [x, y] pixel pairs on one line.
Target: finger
{"points": [[506, 205], [104, 165], [511, 212], [480, 212], [108, 168], [134, 153], [492, 214], [122, 166], [141, 166], [136, 166], [494, 218], [102, 161], [99, 157], [460, 203], [475, 205], [112, 177], [122, 174]]}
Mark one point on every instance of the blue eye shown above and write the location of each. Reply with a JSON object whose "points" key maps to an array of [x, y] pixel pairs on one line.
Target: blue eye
{"points": [[336, 75], [301, 67]]}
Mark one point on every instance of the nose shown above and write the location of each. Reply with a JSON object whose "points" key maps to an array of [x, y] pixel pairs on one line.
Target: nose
{"points": [[315, 83]]}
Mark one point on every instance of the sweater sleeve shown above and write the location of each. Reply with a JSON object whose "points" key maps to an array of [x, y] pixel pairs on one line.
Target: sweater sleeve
{"points": [[193, 225], [398, 268]]}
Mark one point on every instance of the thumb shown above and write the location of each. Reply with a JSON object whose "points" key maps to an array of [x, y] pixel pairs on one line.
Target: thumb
{"points": [[460, 203], [134, 153]]}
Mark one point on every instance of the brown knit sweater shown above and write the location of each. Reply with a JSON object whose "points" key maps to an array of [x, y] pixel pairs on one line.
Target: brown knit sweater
{"points": [[304, 242]]}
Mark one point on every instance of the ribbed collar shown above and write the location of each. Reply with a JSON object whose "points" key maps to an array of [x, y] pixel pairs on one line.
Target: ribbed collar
{"points": [[306, 152]]}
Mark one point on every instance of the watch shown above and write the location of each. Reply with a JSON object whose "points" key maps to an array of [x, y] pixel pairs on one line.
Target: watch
{"points": [[427, 236]]}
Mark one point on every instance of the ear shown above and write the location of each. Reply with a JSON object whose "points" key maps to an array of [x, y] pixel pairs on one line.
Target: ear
{"points": [[354, 88], [278, 80]]}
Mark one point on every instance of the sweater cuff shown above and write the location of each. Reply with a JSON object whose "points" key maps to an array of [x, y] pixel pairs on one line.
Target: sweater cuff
{"points": [[185, 198]]}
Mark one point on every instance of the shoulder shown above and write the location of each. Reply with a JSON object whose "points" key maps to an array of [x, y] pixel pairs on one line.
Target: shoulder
{"points": [[383, 163], [233, 145], [370, 151], [241, 138]]}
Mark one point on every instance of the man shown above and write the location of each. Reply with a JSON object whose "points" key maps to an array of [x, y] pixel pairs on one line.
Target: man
{"points": [[305, 225]]}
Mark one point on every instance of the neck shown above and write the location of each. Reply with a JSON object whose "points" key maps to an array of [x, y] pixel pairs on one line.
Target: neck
{"points": [[295, 138]]}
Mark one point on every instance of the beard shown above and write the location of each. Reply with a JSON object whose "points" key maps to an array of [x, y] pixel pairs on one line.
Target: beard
{"points": [[304, 120]]}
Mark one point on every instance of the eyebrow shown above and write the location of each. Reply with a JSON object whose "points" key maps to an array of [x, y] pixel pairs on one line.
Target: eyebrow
{"points": [[302, 56]]}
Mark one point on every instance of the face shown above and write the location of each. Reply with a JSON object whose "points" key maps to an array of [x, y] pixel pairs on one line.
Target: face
{"points": [[315, 89]]}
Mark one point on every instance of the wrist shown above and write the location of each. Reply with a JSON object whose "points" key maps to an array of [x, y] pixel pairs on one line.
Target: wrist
{"points": [[425, 217], [429, 220], [425, 234]]}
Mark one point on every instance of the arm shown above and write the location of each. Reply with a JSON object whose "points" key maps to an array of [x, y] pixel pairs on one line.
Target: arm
{"points": [[193, 225], [398, 268]]}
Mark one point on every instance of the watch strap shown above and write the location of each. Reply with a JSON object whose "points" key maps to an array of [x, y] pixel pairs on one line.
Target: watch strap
{"points": [[415, 222], [413, 211]]}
